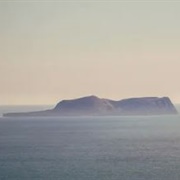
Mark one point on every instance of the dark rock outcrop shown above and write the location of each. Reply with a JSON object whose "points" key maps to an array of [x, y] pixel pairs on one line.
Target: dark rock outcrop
{"points": [[92, 105]]}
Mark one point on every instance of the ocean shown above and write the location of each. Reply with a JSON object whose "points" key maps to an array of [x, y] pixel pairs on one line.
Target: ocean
{"points": [[89, 148]]}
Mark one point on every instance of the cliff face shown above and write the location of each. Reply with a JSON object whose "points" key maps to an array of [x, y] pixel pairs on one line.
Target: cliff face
{"points": [[92, 105], [145, 106]]}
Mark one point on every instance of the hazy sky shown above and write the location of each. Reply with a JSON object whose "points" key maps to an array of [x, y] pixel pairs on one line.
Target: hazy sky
{"points": [[65, 49]]}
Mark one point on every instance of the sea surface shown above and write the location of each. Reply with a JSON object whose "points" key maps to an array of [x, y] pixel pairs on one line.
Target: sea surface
{"points": [[89, 148]]}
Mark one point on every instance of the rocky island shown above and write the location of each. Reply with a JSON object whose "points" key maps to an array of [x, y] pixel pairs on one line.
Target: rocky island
{"points": [[94, 106]]}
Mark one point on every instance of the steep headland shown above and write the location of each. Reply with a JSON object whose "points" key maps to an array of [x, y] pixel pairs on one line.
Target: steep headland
{"points": [[92, 106]]}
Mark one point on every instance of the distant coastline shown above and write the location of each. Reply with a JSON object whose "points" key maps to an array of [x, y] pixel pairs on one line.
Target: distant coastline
{"points": [[95, 106]]}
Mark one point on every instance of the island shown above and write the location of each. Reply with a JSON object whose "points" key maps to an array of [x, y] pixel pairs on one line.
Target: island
{"points": [[95, 106]]}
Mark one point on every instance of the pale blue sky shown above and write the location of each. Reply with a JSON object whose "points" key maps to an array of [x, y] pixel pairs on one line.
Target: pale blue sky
{"points": [[66, 49]]}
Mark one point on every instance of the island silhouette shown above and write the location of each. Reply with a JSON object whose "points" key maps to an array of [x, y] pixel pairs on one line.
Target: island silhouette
{"points": [[95, 106]]}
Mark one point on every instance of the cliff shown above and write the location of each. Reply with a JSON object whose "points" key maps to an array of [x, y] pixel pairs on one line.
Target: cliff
{"points": [[92, 106]]}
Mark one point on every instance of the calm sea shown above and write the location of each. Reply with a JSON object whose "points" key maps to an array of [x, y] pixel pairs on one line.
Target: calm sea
{"points": [[89, 148]]}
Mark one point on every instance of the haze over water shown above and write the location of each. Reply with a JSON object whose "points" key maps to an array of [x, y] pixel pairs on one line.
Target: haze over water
{"points": [[57, 50], [78, 148]]}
